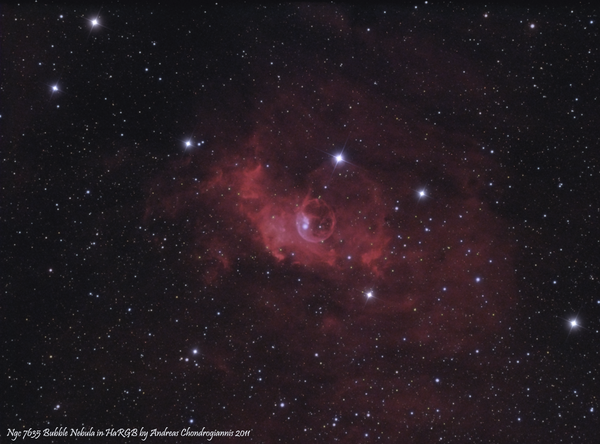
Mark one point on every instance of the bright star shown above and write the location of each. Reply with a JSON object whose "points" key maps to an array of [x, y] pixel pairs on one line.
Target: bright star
{"points": [[53, 89], [188, 143], [369, 294], [422, 194], [94, 22], [338, 158], [574, 324]]}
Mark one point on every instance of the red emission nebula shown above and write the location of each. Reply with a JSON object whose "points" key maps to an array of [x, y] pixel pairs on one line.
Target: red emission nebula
{"points": [[305, 229], [353, 293]]}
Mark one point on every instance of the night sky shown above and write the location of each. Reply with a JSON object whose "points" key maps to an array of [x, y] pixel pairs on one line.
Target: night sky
{"points": [[317, 222]]}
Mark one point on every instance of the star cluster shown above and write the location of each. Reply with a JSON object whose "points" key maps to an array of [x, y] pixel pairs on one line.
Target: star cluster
{"points": [[319, 223]]}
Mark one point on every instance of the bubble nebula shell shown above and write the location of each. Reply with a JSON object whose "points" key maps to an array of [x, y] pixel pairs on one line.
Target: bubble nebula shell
{"points": [[315, 221]]}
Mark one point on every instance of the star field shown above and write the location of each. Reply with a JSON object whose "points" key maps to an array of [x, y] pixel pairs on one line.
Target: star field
{"points": [[318, 223]]}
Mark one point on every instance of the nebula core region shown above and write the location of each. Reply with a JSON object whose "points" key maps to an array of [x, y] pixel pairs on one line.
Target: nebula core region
{"points": [[311, 225], [315, 220]]}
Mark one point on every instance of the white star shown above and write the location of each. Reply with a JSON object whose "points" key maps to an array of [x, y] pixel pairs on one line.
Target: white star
{"points": [[369, 295], [339, 158], [94, 22], [574, 323]]}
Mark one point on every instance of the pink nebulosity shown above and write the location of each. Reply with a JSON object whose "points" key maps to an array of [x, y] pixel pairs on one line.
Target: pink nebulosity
{"points": [[315, 221]]}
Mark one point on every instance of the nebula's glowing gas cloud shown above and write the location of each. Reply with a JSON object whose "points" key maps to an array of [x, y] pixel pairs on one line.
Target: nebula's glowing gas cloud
{"points": [[363, 282]]}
